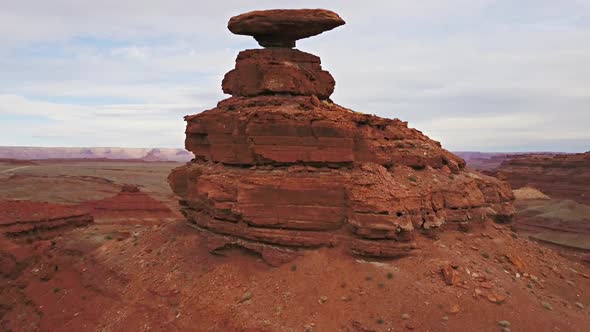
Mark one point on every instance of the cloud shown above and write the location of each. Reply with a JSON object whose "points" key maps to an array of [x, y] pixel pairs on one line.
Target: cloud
{"points": [[474, 74]]}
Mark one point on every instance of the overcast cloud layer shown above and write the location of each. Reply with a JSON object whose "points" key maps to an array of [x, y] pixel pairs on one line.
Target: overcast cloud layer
{"points": [[474, 74]]}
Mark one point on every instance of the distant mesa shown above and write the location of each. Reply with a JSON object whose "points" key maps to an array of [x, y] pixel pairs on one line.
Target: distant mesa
{"points": [[283, 27], [95, 153], [279, 168]]}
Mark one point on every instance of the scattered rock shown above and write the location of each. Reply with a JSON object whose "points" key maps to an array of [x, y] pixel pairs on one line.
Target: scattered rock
{"points": [[496, 298], [323, 299], [579, 305], [516, 261], [547, 305], [504, 323], [450, 275], [405, 316], [246, 297], [454, 308]]}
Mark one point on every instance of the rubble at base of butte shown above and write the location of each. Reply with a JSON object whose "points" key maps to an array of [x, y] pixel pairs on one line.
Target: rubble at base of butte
{"points": [[280, 168]]}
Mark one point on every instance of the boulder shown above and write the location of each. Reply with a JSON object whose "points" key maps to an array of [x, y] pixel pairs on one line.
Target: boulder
{"points": [[282, 27]]}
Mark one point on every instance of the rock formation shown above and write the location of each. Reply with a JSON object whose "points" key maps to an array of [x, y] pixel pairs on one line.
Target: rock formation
{"points": [[279, 167], [25, 219], [129, 205]]}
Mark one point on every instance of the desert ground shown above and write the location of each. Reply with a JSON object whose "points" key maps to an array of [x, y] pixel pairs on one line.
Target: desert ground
{"points": [[139, 266]]}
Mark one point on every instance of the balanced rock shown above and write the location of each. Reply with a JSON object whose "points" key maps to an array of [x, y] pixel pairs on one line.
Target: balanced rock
{"points": [[282, 27], [278, 171]]}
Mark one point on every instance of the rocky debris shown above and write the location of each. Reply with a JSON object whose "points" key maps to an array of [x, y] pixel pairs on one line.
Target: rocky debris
{"points": [[12, 257], [282, 27], [26, 219], [450, 275], [496, 298], [516, 261], [278, 165]]}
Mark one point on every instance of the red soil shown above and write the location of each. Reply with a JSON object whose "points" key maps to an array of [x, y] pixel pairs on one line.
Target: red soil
{"points": [[163, 279]]}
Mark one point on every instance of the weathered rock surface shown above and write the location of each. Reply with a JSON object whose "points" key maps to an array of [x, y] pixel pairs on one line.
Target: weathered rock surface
{"points": [[278, 71], [36, 219], [282, 27], [277, 169]]}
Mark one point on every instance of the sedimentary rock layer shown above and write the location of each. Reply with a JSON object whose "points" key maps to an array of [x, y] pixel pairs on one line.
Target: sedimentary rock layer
{"points": [[278, 71], [271, 130], [25, 218], [288, 171]]}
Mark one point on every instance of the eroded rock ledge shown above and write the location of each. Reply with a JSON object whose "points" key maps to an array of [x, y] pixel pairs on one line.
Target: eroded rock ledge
{"points": [[289, 172]]}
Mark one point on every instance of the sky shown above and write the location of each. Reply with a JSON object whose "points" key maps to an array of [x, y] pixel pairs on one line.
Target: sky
{"points": [[477, 75]]}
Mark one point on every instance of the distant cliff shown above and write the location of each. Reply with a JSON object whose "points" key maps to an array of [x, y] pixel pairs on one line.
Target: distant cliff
{"points": [[146, 154]]}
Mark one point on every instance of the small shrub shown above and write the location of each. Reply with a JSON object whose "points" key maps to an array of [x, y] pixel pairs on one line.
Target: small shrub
{"points": [[56, 290], [368, 278], [293, 267], [380, 321], [485, 255], [412, 178], [389, 275], [108, 237]]}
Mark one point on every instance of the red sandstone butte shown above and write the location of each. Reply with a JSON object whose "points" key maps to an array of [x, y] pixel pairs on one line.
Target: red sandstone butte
{"points": [[279, 168]]}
